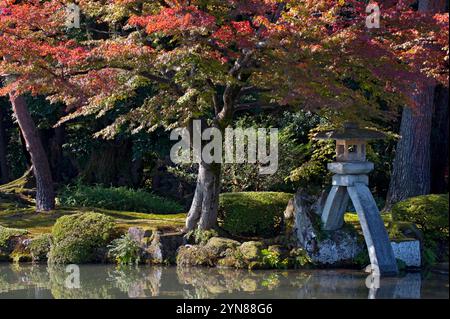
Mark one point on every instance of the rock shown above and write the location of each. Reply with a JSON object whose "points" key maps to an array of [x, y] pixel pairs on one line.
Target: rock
{"points": [[303, 228], [339, 247], [195, 255], [408, 252], [138, 234], [251, 250], [40, 247], [289, 211], [163, 247], [157, 247], [218, 251], [218, 245], [10, 238], [231, 261]]}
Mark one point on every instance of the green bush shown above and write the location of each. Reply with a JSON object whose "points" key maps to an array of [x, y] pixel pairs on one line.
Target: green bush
{"points": [[116, 198], [40, 247], [81, 238], [430, 214], [252, 213]]}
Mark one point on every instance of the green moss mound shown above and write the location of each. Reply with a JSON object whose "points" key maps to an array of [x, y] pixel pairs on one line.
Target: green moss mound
{"points": [[81, 238], [40, 247], [252, 213], [430, 214], [117, 198]]}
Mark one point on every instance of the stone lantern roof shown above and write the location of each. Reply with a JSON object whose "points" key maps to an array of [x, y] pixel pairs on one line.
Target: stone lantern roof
{"points": [[350, 131]]}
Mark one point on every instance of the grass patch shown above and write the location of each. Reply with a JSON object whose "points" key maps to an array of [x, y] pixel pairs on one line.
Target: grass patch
{"points": [[14, 216], [116, 198]]}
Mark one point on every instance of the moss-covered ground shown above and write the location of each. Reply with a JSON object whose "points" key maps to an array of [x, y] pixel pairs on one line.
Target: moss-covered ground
{"points": [[17, 211]]}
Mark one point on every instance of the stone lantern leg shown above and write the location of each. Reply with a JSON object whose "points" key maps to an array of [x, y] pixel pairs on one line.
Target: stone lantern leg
{"points": [[350, 183]]}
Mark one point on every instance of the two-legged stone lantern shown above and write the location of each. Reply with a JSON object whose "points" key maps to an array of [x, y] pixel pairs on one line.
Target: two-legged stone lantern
{"points": [[350, 182]]}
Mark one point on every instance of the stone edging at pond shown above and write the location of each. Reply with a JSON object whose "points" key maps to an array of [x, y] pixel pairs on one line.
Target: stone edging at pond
{"points": [[94, 238], [172, 248]]}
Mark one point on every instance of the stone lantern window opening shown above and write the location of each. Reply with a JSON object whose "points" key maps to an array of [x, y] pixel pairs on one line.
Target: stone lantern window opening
{"points": [[351, 150]]}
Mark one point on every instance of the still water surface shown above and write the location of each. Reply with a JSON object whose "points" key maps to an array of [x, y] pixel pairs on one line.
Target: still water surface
{"points": [[103, 281]]}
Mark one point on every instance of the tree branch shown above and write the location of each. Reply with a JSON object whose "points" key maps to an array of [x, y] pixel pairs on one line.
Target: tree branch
{"points": [[256, 105]]}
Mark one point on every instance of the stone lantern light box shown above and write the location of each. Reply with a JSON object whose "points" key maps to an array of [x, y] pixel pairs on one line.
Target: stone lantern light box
{"points": [[350, 182]]}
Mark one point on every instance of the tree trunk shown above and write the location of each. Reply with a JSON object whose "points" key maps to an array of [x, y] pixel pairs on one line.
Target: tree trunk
{"points": [[45, 197], [4, 169], [205, 204], [411, 173], [203, 212], [411, 169], [55, 152], [439, 142]]}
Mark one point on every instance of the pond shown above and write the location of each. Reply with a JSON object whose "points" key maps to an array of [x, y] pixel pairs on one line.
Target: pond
{"points": [[106, 281]]}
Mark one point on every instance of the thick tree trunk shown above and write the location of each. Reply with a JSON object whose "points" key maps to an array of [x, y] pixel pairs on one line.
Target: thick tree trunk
{"points": [[56, 153], [203, 212], [411, 169], [205, 204], [4, 169], [439, 142], [45, 196], [411, 173]]}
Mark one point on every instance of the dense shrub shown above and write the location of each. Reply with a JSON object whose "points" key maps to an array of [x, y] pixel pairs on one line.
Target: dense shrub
{"points": [[40, 247], [116, 198], [430, 214], [252, 213], [81, 238]]}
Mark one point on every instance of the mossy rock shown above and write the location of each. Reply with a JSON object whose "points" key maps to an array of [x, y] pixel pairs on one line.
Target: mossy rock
{"points": [[400, 231], [251, 250], [7, 233], [40, 247], [218, 245], [195, 256], [8, 241], [232, 260], [81, 238], [252, 214]]}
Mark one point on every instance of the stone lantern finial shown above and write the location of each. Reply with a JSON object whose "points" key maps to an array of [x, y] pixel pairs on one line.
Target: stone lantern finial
{"points": [[350, 182]]}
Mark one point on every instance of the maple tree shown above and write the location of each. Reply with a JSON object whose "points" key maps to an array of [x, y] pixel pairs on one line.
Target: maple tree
{"points": [[211, 59]]}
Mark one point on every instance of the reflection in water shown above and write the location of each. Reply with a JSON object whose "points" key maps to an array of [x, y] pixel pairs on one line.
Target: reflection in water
{"points": [[101, 281]]}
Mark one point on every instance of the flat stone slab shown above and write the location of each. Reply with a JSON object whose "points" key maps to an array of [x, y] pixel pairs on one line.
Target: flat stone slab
{"points": [[350, 168], [408, 251]]}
